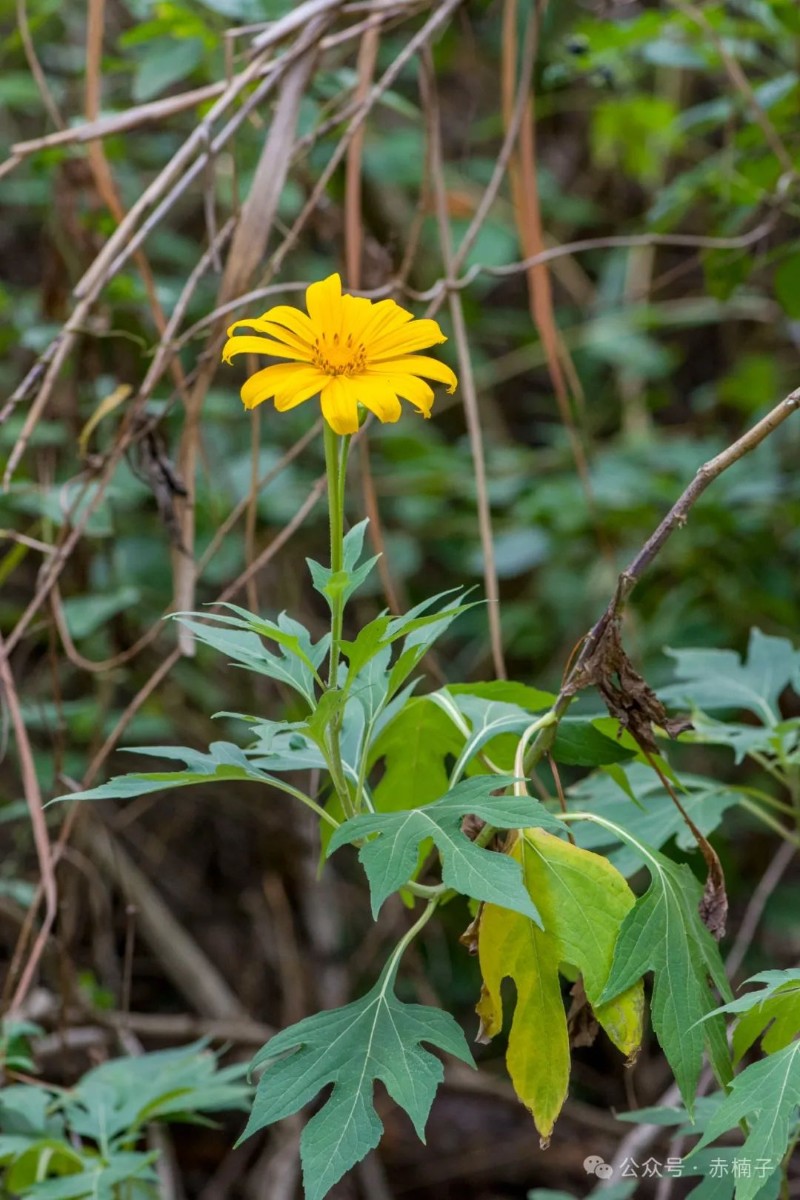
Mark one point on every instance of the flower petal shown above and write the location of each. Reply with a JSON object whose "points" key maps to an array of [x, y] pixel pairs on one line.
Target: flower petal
{"points": [[339, 405], [416, 391], [324, 304], [379, 397], [300, 348], [387, 316], [256, 345], [416, 364], [356, 314], [278, 379], [301, 389], [293, 318], [405, 340]]}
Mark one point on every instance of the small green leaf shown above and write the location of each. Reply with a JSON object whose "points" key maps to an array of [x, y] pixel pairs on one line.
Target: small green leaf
{"points": [[776, 741], [353, 573], [772, 1012], [766, 1095], [390, 858], [224, 761], [653, 819], [718, 679], [507, 692], [166, 61], [295, 665], [663, 933], [375, 1038], [579, 743], [85, 614]]}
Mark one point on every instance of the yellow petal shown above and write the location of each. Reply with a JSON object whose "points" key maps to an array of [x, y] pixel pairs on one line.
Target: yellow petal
{"points": [[417, 364], [324, 304], [256, 345], [379, 397], [301, 389], [387, 316], [301, 349], [405, 340], [339, 406], [293, 318], [280, 378], [356, 315], [416, 391]]}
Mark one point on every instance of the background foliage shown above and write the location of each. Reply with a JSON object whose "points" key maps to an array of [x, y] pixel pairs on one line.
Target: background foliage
{"points": [[666, 143]]}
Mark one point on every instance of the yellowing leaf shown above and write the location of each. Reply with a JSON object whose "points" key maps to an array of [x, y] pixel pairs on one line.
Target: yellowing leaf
{"points": [[538, 1046], [583, 901], [107, 405]]}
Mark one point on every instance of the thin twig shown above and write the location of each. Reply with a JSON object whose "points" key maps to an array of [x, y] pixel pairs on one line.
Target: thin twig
{"points": [[467, 380], [33, 798], [675, 518], [767, 884]]}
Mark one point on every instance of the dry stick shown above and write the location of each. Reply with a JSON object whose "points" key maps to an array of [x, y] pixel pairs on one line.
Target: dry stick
{"points": [[513, 125], [169, 106], [469, 393], [208, 147], [166, 345], [106, 186], [527, 209], [758, 902], [357, 117], [50, 583], [33, 799], [741, 83], [277, 542], [110, 260], [190, 970], [353, 216], [176, 169], [676, 517], [148, 688], [27, 927], [180, 1027], [150, 635], [103, 177], [101, 666], [36, 67], [437, 292], [102, 127], [61, 553], [127, 716], [298, 19], [233, 516], [247, 248], [123, 243], [353, 247]]}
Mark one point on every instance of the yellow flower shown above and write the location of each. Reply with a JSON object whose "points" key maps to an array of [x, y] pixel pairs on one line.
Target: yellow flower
{"points": [[348, 350]]}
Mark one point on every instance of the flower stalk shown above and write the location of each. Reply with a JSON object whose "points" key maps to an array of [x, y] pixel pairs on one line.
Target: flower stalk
{"points": [[336, 449]]}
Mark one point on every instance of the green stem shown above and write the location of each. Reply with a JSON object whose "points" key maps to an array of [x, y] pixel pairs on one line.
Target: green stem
{"points": [[309, 803], [336, 448], [757, 811], [409, 936]]}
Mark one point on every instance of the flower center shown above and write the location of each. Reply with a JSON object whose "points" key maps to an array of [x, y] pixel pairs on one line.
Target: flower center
{"points": [[337, 356]]}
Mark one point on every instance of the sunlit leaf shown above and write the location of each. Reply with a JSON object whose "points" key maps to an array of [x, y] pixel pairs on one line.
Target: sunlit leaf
{"points": [[375, 1038], [583, 901]]}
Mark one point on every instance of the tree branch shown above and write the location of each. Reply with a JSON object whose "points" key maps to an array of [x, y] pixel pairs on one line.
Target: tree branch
{"points": [[675, 518]]}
